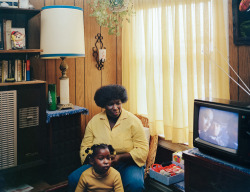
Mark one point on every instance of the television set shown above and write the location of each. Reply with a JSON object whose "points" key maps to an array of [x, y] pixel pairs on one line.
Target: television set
{"points": [[222, 129]]}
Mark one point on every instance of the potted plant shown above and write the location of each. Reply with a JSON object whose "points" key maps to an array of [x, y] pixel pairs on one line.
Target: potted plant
{"points": [[111, 13]]}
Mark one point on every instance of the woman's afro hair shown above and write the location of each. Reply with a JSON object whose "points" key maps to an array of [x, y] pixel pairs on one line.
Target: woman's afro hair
{"points": [[107, 93]]}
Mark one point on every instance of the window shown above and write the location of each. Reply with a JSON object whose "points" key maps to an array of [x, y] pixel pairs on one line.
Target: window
{"points": [[171, 50]]}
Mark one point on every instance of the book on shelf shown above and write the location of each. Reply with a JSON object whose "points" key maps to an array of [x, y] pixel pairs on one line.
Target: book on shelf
{"points": [[13, 70], [1, 35], [4, 70], [18, 38], [7, 26], [19, 70], [27, 70], [10, 69], [1, 71], [24, 70]]}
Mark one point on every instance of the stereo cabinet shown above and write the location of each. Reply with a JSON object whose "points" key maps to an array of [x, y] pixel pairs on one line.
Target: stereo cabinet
{"points": [[64, 135], [22, 125]]}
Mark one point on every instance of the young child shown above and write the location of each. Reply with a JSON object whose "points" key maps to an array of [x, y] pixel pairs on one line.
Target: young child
{"points": [[100, 177]]}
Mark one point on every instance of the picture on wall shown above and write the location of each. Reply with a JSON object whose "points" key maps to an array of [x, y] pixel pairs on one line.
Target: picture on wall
{"points": [[241, 22]]}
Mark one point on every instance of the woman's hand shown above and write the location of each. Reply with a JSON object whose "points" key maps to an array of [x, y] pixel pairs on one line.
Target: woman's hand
{"points": [[115, 159], [121, 157]]}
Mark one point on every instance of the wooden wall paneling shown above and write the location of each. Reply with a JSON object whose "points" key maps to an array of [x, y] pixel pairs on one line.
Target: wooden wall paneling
{"points": [[119, 58], [244, 71], [38, 4], [48, 2], [80, 92], [92, 74], [109, 71], [233, 57], [79, 3], [71, 73], [65, 2], [80, 81], [51, 71]]}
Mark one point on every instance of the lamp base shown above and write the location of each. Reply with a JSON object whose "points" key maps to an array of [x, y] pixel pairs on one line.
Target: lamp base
{"points": [[65, 106]]}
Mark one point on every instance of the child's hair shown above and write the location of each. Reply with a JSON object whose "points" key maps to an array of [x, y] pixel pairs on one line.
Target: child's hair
{"points": [[92, 151]]}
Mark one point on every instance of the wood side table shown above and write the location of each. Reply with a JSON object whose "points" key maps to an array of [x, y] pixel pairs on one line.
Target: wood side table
{"points": [[64, 139]]}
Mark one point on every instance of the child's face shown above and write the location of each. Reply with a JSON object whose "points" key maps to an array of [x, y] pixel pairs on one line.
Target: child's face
{"points": [[102, 161]]}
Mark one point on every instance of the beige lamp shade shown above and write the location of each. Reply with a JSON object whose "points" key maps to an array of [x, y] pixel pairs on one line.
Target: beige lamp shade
{"points": [[62, 36], [62, 32]]}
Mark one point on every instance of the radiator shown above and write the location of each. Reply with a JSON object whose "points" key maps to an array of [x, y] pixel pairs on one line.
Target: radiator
{"points": [[8, 129]]}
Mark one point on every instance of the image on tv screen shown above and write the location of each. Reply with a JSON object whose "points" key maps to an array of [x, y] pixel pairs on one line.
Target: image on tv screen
{"points": [[219, 127]]}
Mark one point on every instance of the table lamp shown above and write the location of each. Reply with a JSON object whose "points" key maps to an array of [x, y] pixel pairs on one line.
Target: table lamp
{"points": [[62, 36]]}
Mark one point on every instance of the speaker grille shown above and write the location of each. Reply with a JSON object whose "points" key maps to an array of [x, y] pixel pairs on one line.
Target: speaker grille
{"points": [[8, 128], [28, 117]]}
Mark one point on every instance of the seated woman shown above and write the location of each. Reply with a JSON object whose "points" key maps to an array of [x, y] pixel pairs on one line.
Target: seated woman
{"points": [[121, 129]]}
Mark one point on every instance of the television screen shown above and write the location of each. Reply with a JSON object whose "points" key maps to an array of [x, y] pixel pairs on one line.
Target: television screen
{"points": [[218, 127]]}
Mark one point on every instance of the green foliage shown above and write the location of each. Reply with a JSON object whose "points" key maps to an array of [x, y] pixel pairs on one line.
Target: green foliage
{"points": [[111, 13], [245, 29]]}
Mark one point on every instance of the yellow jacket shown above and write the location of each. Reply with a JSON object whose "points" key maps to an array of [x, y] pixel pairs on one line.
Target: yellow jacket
{"points": [[126, 136]]}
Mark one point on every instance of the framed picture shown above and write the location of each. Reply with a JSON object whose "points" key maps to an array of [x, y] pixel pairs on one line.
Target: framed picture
{"points": [[241, 22]]}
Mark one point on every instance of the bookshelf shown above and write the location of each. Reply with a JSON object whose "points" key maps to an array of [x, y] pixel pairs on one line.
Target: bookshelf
{"points": [[20, 18], [27, 98]]}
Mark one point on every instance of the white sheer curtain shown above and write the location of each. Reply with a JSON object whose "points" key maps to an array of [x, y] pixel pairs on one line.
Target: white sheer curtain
{"points": [[170, 53]]}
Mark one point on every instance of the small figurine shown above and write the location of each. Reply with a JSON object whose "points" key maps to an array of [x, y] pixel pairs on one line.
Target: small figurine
{"points": [[18, 40]]}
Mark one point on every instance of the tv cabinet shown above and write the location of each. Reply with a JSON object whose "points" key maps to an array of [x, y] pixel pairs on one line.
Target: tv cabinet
{"points": [[206, 173]]}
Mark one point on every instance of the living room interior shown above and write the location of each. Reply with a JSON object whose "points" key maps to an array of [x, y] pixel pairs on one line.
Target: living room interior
{"points": [[85, 75]]}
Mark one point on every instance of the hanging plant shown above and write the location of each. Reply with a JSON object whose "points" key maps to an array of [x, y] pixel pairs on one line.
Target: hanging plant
{"points": [[111, 13]]}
